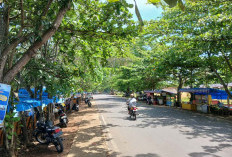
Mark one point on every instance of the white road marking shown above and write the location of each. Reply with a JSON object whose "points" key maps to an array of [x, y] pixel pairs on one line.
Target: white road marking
{"points": [[112, 146], [115, 147]]}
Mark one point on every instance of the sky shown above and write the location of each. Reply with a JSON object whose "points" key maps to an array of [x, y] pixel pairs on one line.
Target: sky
{"points": [[147, 11]]}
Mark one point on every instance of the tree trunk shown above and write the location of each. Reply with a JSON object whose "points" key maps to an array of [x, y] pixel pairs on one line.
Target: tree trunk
{"points": [[178, 93], [50, 114], [14, 137], [31, 52], [227, 60], [212, 67], [4, 34], [13, 44], [222, 82], [24, 128], [191, 86], [41, 115], [28, 88]]}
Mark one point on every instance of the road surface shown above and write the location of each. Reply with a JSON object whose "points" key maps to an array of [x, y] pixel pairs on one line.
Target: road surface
{"points": [[162, 131]]}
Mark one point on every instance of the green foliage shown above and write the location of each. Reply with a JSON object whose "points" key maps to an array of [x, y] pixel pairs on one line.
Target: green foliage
{"points": [[181, 45], [9, 120], [72, 59]]}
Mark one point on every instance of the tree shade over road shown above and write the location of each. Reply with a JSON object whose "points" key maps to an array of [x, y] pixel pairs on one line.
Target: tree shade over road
{"points": [[163, 131]]}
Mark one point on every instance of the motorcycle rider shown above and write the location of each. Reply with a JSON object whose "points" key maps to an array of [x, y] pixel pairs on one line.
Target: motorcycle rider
{"points": [[131, 102]]}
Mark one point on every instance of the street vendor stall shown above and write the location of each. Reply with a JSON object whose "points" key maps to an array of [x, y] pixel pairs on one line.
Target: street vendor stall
{"points": [[163, 96], [155, 96], [149, 96], [202, 98], [169, 96]]}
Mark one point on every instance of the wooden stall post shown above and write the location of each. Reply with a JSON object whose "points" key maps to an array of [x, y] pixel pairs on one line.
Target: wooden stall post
{"points": [[1, 138]]}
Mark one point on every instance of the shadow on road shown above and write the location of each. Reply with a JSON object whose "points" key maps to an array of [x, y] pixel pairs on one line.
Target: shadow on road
{"points": [[199, 125], [191, 124], [145, 155]]}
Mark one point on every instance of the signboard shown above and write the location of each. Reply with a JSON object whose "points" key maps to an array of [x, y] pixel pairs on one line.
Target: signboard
{"points": [[4, 97]]}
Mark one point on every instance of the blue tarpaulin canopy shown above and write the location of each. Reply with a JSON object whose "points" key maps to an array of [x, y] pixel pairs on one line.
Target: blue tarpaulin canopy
{"points": [[23, 93], [24, 105], [215, 93], [198, 90], [46, 101]]}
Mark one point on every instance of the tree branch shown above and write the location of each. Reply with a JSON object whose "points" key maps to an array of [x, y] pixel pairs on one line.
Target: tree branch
{"points": [[218, 76], [22, 18], [227, 60], [8, 49], [31, 52], [45, 11]]}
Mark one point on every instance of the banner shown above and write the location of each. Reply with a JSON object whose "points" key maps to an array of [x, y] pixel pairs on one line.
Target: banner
{"points": [[4, 97]]}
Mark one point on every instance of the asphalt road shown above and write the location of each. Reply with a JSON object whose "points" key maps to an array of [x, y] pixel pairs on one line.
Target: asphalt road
{"points": [[162, 131]]}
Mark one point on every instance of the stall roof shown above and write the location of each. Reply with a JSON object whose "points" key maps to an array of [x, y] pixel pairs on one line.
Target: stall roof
{"points": [[215, 93], [170, 90], [153, 91], [198, 90], [167, 90]]}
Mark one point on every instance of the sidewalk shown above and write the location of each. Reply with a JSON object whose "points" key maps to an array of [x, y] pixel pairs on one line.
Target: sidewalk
{"points": [[90, 140]]}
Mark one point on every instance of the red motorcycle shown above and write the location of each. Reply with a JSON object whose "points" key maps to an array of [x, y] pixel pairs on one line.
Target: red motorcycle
{"points": [[133, 112]]}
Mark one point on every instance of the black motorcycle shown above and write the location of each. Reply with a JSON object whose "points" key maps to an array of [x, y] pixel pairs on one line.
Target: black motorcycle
{"points": [[87, 101], [75, 107], [46, 133], [63, 118]]}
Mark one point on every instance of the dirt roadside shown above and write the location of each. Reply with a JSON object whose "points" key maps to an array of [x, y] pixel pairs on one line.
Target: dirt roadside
{"points": [[82, 138], [90, 141]]}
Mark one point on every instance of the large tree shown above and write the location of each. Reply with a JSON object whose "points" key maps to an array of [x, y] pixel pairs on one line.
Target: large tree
{"points": [[30, 24]]}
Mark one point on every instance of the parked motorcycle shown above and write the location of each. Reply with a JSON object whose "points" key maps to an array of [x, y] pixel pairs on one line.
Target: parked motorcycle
{"points": [[75, 107], [87, 101], [46, 133], [63, 118], [133, 112]]}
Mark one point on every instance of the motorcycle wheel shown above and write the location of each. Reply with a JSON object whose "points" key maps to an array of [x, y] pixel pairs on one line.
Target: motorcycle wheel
{"points": [[59, 145], [65, 123], [134, 116], [89, 104], [41, 137]]}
